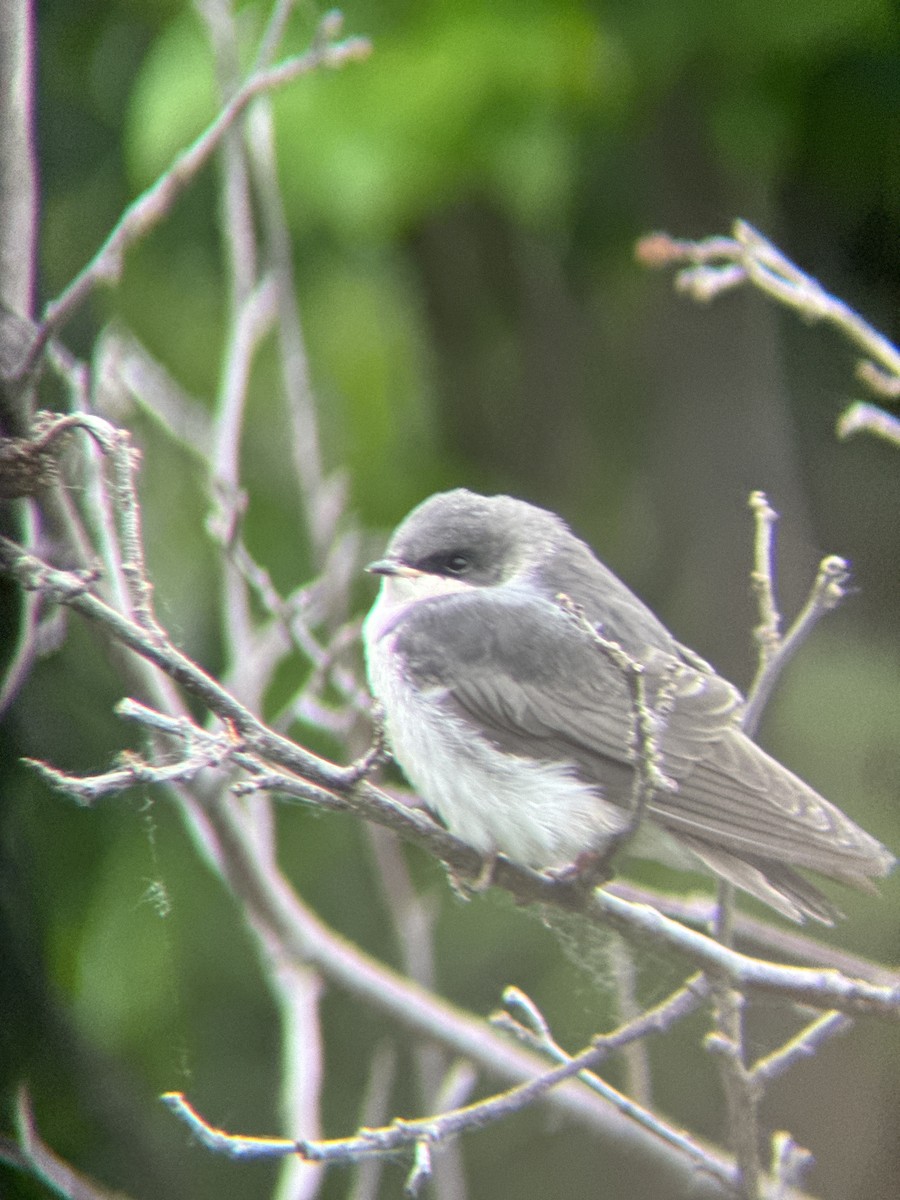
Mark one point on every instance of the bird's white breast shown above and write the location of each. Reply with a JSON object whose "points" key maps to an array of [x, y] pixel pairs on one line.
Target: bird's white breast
{"points": [[533, 811]]}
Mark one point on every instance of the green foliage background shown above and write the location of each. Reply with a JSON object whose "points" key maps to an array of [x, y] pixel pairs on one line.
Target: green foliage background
{"points": [[463, 208]]}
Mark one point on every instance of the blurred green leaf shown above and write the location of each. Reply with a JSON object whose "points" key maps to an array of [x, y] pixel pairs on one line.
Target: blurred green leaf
{"points": [[498, 99], [173, 98]]}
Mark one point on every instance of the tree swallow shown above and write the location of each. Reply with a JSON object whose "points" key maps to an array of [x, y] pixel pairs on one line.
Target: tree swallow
{"points": [[518, 731]]}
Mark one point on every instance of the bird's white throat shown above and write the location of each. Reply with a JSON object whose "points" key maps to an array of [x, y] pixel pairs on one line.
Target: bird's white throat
{"points": [[397, 593]]}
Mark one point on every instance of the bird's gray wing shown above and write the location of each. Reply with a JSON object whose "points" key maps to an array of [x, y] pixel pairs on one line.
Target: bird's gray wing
{"points": [[538, 685], [741, 799]]}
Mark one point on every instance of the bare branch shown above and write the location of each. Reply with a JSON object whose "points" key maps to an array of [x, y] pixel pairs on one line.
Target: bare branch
{"points": [[789, 1162], [19, 206], [131, 770], [128, 377], [535, 1032], [18, 177], [32, 1154], [26, 646], [762, 577], [152, 205], [412, 1135], [804, 1045], [73, 589], [768, 938], [828, 590], [430, 1130], [741, 1098], [719, 264], [869, 418], [817, 988], [382, 1072], [775, 652]]}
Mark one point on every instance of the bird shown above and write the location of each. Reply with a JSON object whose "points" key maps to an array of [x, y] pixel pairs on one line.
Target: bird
{"points": [[488, 651]]}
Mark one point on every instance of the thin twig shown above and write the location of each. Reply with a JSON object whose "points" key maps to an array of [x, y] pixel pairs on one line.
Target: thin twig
{"points": [[127, 375], [789, 1162], [321, 502], [637, 1061], [382, 1072], [238, 239], [647, 724], [720, 264], [742, 1099], [529, 1025], [274, 32], [153, 204], [252, 321], [25, 649], [805, 1044], [762, 577], [869, 418], [828, 590], [775, 651], [33, 1155], [437, 1128]]}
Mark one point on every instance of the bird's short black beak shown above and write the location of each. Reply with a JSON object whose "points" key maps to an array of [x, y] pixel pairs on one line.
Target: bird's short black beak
{"points": [[390, 566]]}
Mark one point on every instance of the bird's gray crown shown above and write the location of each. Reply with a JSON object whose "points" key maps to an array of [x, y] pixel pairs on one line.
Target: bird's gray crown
{"points": [[484, 539], [493, 540]]}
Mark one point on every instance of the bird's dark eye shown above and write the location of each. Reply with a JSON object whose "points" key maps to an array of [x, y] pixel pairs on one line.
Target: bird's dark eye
{"points": [[447, 562], [456, 564]]}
